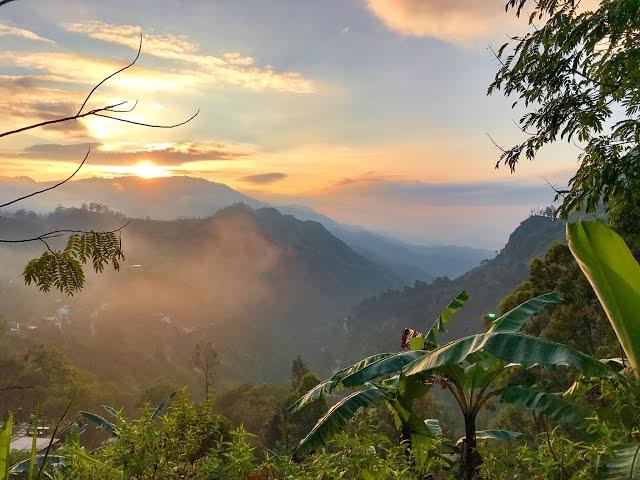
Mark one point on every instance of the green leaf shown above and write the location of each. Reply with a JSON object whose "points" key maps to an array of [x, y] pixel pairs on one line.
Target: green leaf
{"points": [[614, 275], [99, 421], [551, 405], [5, 447], [502, 435], [514, 319], [384, 366], [625, 463], [34, 444], [160, 409], [440, 325], [111, 410], [334, 383], [337, 417], [510, 347]]}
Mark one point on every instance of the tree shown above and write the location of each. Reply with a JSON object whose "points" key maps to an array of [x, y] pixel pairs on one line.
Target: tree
{"points": [[474, 370], [577, 76], [205, 359], [63, 269]]}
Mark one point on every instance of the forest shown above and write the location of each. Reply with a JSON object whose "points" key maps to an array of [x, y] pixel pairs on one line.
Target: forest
{"points": [[253, 345]]}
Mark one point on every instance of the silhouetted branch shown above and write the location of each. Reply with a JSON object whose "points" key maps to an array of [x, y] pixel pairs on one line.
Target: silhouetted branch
{"points": [[59, 233], [51, 187], [98, 112], [4, 2]]}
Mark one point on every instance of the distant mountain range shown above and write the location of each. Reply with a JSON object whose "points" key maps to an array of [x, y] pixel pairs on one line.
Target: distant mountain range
{"points": [[376, 324], [167, 198]]}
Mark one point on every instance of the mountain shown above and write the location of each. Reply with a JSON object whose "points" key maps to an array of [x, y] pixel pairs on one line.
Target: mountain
{"points": [[161, 198], [261, 286], [376, 324], [181, 196], [410, 262]]}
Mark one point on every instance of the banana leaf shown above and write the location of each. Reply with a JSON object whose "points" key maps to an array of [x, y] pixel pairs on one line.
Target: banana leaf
{"points": [[514, 319], [5, 447], [385, 366], [614, 274], [552, 405], [440, 325], [625, 464], [510, 347], [337, 417], [160, 409], [101, 422]]}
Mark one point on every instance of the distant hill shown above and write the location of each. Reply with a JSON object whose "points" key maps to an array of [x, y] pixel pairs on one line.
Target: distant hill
{"points": [[187, 197], [410, 262], [262, 286], [376, 323]]}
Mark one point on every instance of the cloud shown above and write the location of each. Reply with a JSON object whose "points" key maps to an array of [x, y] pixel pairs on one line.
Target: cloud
{"points": [[170, 153], [230, 69], [263, 178], [9, 31], [458, 21]]}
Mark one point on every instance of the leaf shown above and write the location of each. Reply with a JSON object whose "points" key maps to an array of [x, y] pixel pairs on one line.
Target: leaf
{"points": [[614, 274], [502, 435], [433, 424], [625, 463], [334, 384], [551, 405], [384, 366], [510, 347], [338, 416], [320, 390], [5, 447], [99, 421], [52, 460], [34, 444], [111, 410], [514, 319], [160, 409], [440, 325]]}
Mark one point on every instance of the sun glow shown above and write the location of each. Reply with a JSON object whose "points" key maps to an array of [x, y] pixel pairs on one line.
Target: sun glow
{"points": [[147, 169]]}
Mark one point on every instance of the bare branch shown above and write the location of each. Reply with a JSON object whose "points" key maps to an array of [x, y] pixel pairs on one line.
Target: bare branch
{"points": [[4, 2], [59, 233], [131, 64], [53, 186], [152, 125], [97, 111], [15, 387]]}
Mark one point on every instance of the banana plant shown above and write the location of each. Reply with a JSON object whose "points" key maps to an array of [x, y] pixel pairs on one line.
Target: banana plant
{"points": [[473, 369], [614, 274]]}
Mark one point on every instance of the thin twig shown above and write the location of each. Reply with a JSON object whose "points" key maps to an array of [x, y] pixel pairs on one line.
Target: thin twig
{"points": [[131, 64], [15, 387], [59, 233], [55, 431], [53, 186], [148, 124]]}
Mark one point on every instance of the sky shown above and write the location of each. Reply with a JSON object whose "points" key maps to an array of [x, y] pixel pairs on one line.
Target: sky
{"points": [[373, 112]]}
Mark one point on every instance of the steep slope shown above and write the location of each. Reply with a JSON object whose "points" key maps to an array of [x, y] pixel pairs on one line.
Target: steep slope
{"points": [[376, 323], [261, 286]]}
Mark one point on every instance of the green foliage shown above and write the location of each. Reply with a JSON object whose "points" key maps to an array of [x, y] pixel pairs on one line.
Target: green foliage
{"points": [[577, 73], [5, 445], [62, 269], [614, 274]]}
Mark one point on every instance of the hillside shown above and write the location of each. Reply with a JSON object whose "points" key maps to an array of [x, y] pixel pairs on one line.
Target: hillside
{"points": [[262, 286], [376, 323]]}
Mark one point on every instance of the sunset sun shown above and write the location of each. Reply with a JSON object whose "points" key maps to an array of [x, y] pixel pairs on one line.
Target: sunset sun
{"points": [[148, 169]]}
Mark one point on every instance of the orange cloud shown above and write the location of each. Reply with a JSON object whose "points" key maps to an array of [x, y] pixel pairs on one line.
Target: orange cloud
{"points": [[459, 21]]}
